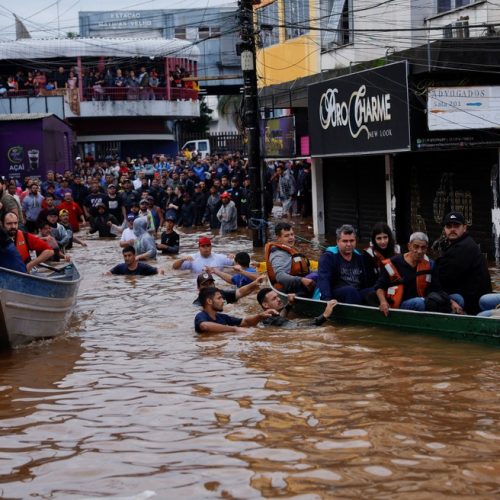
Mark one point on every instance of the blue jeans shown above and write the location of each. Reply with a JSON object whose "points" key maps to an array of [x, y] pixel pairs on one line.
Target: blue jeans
{"points": [[350, 295], [488, 302], [418, 303]]}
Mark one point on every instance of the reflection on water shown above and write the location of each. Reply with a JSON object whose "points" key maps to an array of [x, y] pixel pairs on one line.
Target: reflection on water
{"points": [[132, 401]]}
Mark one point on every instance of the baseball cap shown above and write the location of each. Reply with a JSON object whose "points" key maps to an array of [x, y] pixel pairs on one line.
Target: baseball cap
{"points": [[131, 216], [455, 217], [170, 217], [225, 194], [143, 202], [204, 278], [63, 212], [53, 211], [203, 240]]}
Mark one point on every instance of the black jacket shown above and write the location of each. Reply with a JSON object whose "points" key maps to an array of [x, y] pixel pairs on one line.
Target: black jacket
{"points": [[463, 269]]}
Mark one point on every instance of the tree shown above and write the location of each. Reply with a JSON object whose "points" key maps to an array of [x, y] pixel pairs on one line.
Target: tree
{"points": [[199, 125]]}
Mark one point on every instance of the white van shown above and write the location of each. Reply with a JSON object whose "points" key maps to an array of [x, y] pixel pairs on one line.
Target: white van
{"points": [[201, 146]]}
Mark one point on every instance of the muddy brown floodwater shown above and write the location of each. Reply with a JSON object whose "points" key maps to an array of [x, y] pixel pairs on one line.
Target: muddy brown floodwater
{"points": [[131, 402]]}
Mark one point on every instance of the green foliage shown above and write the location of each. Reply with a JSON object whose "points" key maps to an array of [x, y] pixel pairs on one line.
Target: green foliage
{"points": [[199, 125]]}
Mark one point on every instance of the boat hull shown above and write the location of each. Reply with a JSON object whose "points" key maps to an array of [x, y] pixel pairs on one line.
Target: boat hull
{"points": [[451, 325], [34, 307]]}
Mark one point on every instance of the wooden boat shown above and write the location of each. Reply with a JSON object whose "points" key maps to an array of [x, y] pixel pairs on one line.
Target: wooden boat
{"points": [[458, 327], [36, 306]]}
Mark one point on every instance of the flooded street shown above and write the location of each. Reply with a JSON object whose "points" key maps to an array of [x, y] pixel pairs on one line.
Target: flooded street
{"points": [[132, 401]]}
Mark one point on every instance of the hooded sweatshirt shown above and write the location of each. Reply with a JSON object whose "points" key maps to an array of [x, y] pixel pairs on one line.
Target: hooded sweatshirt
{"points": [[144, 242]]}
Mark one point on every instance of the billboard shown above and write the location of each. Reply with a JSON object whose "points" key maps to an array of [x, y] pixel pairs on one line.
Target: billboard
{"points": [[360, 113], [279, 137], [463, 108]]}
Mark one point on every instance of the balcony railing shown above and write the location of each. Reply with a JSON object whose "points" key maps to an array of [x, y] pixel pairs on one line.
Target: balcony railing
{"points": [[114, 93]]}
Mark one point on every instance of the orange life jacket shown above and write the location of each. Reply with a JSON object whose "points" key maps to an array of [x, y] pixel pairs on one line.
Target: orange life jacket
{"points": [[300, 263], [377, 257], [395, 292], [22, 246]]}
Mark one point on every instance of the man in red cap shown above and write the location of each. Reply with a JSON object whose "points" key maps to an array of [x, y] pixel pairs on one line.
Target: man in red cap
{"points": [[197, 262]]}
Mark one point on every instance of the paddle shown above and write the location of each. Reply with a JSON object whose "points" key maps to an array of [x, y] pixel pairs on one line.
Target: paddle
{"points": [[55, 269]]}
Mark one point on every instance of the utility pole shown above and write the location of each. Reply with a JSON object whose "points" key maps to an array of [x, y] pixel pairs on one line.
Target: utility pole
{"points": [[247, 50]]}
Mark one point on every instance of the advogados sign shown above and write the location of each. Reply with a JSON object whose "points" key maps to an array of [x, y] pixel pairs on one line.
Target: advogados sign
{"points": [[360, 113]]}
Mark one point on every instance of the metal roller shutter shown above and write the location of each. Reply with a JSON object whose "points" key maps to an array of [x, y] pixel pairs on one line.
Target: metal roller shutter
{"points": [[354, 194]]}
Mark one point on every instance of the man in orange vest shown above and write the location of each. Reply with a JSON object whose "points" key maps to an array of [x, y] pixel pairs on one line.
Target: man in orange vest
{"points": [[26, 242], [286, 266], [406, 280]]}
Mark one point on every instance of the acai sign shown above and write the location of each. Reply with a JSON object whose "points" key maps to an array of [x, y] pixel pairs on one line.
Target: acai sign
{"points": [[360, 113]]}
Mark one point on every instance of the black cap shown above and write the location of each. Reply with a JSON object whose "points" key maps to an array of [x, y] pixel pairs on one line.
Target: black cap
{"points": [[454, 217], [203, 278]]}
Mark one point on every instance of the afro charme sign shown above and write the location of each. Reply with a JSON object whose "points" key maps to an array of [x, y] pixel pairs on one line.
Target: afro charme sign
{"points": [[361, 113]]}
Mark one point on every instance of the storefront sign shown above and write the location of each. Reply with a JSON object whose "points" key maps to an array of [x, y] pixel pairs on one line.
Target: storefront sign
{"points": [[365, 112], [463, 108], [122, 20]]}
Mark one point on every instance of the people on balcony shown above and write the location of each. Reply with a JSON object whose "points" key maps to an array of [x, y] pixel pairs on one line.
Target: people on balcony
{"points": [[72, 81], [109, 83]]}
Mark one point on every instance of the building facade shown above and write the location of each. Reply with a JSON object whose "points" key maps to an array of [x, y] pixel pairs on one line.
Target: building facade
{"points": [[403, 117], [213, 30]]}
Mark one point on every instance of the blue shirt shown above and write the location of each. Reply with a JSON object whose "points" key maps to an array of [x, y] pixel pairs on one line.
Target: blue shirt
{"points": [[240, 280], [10, 258], [220, 319]]}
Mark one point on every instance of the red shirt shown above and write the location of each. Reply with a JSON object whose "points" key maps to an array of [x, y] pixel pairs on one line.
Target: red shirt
{"points": [[75, 213], [33, 243]]}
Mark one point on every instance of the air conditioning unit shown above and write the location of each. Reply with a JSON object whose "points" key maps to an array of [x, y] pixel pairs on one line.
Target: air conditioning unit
{"points": [[458, 29]]}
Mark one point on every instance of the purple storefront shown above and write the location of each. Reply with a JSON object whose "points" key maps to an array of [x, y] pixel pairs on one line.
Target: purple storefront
{"points": [[32, 144]]}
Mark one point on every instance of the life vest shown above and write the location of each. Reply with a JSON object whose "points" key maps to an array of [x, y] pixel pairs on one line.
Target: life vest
{"points": [[377, 257], [395, 292], [22, 246], [300, 263]]}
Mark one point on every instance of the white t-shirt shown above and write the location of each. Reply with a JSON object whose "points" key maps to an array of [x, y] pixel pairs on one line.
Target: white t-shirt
{"points": [[198, 264], [128, 234]]}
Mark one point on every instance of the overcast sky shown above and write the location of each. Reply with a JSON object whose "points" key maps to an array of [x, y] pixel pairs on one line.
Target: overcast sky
{"points": [[44, 18]]}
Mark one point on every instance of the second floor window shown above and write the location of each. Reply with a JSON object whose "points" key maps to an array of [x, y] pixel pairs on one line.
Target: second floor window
{"points": [[336, 21], [268, 21], [297, 18], [445, 5], [180, 33]]}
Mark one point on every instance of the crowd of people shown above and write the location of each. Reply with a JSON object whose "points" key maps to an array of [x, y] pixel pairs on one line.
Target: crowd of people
{"points": [[138, 82], [141, 203]]}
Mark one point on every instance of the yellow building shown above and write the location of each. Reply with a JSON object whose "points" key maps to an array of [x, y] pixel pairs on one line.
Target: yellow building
{"points": [[290, 49]]}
